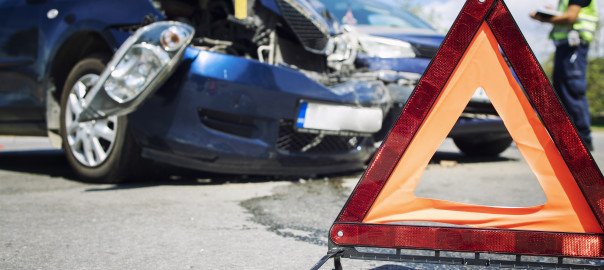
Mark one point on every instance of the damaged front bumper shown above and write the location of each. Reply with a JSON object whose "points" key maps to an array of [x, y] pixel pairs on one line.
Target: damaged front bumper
{"points": [[221, 113]]}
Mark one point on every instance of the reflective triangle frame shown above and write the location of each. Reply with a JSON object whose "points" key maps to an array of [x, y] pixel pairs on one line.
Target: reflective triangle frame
{"points": [[349, 230]]}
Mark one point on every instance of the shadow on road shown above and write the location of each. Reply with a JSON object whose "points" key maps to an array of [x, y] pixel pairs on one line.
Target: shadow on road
{"points": [[49, 162], [170, 176], [463, 159], [53, 163]]}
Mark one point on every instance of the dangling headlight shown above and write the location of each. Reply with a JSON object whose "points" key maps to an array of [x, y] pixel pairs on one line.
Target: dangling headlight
{"points": [[158, 47], [137, 69], [385, 47]]}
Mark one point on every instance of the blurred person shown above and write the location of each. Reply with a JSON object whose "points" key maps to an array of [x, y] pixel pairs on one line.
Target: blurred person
{"points": [[574, 26]]}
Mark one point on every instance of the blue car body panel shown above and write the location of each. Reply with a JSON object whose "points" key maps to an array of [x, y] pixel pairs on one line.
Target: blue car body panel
{"points": [[272, 5]]}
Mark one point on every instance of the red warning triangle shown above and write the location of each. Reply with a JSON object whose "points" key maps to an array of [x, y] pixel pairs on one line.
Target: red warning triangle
{"points": [[570, 223]]}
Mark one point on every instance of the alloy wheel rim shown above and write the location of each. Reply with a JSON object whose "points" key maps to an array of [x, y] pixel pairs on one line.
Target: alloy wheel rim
{"points": [[90, 142]]}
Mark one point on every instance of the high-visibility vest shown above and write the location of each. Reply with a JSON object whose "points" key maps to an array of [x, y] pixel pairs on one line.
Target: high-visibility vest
{"points": [[586, 23]]}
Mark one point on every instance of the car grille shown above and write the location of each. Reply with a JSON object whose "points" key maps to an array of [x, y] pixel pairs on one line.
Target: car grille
{"points": [[293, 141], [424, 51]]}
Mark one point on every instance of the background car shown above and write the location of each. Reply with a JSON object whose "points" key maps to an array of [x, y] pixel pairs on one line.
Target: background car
{"points": [[393, 39], [251, 95]]}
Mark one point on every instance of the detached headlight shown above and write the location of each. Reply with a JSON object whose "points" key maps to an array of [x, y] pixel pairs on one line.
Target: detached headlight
{"points": [[385, 47], [137, 69], [142, 62]]}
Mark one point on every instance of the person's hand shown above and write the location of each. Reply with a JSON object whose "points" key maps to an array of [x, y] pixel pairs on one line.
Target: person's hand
{"points": [[538, 17]]}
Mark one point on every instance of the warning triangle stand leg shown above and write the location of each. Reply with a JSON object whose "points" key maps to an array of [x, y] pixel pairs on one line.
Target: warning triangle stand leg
{"points": [[334, 253], [337, 263]]}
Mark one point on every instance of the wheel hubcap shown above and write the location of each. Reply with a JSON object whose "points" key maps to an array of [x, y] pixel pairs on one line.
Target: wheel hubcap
{"points": [[90, 142]]}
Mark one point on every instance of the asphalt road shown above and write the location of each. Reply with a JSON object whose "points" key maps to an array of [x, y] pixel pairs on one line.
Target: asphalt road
{"points": [[186, 220]]}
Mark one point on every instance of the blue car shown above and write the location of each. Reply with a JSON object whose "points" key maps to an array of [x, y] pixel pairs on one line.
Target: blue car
{"points": [[393, 39], [229, 86]]}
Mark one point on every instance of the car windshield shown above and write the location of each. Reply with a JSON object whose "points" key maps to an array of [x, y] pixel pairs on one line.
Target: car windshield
{"points": [[374, 13]]}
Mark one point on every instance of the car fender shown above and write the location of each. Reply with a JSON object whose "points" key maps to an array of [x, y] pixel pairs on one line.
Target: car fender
{"points": [[75, 18]]}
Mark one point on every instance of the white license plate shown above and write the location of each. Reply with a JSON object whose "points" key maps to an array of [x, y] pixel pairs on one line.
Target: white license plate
{"points": [[339, 118]]}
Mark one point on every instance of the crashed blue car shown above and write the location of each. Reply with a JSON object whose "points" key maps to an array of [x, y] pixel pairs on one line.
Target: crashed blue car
{"points": [[230, 86]]}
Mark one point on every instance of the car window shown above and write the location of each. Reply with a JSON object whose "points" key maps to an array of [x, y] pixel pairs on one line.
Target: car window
{"points": [[375, 13]]}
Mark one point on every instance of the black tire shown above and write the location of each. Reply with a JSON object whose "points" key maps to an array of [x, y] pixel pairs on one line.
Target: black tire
{"points": [[114, 156], [481, 146]]}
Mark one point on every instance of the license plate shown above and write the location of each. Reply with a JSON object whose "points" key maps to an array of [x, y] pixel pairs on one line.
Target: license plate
{"points": [[330, 117]]}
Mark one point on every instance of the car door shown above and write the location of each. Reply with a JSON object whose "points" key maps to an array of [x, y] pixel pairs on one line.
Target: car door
{"points": [[21, 93]]}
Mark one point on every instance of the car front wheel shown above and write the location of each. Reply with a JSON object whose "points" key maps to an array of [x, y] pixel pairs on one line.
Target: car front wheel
{"points": [[98, 150]]}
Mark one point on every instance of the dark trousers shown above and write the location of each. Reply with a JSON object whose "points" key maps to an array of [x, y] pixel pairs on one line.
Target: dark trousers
{"points": [[570, 67]]}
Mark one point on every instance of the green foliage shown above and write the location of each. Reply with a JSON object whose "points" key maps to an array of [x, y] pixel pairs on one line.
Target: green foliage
{"points": [[548, 66], [595, 86], [597, 124]]}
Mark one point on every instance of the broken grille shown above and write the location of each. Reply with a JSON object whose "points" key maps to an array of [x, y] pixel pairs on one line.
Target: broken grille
{"points": [[312, 34], [292, 141]]}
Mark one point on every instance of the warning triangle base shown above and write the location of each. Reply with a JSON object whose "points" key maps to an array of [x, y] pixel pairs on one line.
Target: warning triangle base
{"points": [[457, 258]]}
